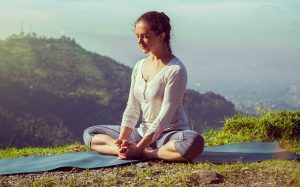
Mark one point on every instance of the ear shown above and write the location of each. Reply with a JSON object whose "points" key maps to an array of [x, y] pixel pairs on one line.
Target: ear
{"points": [[162, 36]]}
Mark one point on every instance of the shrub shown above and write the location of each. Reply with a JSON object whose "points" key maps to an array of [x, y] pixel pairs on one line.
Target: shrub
{"points": [[271, 126]]}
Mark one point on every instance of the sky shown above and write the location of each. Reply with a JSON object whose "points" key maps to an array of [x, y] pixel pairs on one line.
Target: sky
{"points": [[224, 44]]}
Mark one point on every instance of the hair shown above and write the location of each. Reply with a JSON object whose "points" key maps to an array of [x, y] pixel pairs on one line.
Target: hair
{"points": [[158, 22]]}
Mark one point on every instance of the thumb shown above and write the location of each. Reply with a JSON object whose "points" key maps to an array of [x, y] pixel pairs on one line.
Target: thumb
{"points": [[129, 143]]}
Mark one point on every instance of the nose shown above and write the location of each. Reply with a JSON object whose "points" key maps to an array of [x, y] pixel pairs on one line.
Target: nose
{"points": [[139, 39]]}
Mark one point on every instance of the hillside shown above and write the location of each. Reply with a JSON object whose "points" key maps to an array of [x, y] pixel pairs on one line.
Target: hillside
{"points": [[52, 89]]}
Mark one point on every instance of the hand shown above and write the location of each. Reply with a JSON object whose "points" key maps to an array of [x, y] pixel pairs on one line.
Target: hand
{"points": [[118, 143], [129, 150], [121, 144]]}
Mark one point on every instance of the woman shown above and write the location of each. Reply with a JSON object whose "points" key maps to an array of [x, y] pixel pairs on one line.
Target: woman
{"points": [[158, 86]]}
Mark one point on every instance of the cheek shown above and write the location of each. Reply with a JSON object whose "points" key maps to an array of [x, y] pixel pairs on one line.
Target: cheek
{"points": [[146, 41]]}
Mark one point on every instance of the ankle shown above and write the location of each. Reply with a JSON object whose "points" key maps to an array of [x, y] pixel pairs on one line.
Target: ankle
{"points": [[149, 153]]}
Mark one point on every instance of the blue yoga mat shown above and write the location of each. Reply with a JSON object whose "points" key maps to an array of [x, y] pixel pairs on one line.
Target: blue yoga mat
{"points": [[238, 152], [245, 152]]}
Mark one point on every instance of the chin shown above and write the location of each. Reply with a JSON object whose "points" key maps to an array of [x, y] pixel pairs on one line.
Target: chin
{"points": [[145, 51]]}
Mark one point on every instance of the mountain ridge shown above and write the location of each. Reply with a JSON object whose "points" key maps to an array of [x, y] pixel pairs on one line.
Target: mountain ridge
{"points": [[42, 77]]}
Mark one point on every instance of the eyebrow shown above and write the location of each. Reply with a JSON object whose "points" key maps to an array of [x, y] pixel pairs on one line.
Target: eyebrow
{"points": [[143, 33]]}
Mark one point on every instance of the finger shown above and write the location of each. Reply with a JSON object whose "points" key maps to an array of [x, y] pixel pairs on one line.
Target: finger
{"points": [[124, 143], [123, 149], [131, 143], [148, 149], [118, 142], [121, 156]]}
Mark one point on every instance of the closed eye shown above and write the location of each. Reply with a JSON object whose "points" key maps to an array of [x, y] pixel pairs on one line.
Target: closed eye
{"points": [[142, 36]]}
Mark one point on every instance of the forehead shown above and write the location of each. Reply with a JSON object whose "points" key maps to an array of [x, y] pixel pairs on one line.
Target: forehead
{"points": [[142, 28]]}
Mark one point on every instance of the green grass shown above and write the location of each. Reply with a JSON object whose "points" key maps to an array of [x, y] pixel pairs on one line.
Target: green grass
{"points": [[282, 126], [266, 173], [28, 151]]}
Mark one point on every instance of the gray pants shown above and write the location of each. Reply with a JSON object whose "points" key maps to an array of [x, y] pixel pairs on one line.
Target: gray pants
{"points": [[188, 143]]}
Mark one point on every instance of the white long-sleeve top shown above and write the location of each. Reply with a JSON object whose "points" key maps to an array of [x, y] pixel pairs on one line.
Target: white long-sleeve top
{"points": [[160, 99]]}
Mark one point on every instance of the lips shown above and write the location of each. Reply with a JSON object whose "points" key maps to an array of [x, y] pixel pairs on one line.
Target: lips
{"points": [[142, 46]]}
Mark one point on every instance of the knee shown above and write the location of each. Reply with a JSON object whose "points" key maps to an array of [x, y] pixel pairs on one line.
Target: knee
{"points": [[199, 143], [191, 146], [91, 132], [92, 136]]}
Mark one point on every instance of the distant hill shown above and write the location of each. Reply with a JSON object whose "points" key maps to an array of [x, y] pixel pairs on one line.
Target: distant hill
{"points": [[208, 110], [51, 89]]}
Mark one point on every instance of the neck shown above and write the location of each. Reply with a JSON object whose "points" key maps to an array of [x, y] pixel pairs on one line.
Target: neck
{"points": [[161, 55]]}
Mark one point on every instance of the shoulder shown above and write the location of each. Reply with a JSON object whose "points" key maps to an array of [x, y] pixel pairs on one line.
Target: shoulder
{"points": [[137, 65], [177, 67]]}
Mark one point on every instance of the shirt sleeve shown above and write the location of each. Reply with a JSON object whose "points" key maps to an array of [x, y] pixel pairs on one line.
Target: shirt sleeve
{"points": [[133, 108], [173, 96]]}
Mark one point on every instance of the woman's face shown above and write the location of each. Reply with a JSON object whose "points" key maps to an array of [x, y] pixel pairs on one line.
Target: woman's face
{"points": [[147, 39]]}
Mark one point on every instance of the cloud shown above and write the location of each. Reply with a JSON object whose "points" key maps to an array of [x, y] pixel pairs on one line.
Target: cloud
{"points": [[212, 37], [201, 8]]}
